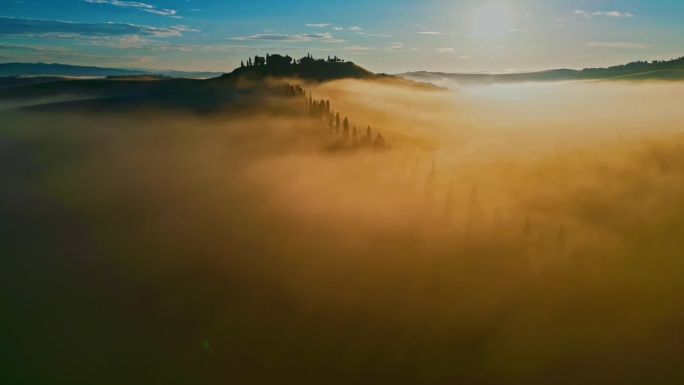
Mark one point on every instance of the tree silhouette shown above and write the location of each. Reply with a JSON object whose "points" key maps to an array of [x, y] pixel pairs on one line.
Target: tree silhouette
{"points": [[278, 60], [320, 110], [560, 241], [259, 60], [345, 130], [379, 143], [367, 140], [527, 231], [540, 243], [475, 216], [337, 122], [433, 171], [448, 202], [498, 224], [355, 137]]}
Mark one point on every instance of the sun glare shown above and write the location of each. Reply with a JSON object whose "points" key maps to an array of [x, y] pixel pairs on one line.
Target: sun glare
{"points": [[491, 21]]}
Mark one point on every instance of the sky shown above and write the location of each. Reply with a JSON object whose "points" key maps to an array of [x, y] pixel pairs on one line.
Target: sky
{"points": [[389, 36]]}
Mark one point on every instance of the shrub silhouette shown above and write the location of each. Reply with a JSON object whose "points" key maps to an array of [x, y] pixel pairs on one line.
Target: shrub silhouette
{"points": [[278, 60]]}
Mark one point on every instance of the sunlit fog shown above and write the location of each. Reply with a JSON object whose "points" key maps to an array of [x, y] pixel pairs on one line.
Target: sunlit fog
{"points": [[507, 234]]}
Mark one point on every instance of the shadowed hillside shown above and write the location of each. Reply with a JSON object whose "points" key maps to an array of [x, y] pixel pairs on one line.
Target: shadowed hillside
{"points": [[216, 94]]}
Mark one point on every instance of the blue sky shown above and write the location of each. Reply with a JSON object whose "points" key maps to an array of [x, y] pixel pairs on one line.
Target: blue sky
{"points": [[382, 35]]}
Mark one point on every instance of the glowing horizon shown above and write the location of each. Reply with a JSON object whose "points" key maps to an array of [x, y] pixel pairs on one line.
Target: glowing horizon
{"points": [[383, 36]]}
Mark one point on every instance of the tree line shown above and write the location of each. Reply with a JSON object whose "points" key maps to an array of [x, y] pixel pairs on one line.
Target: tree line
{"points": [[282, 61], [320, 110]]}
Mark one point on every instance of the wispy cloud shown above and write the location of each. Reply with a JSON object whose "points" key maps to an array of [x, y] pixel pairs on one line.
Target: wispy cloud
{"points": [[138, 5], [355, 28], [326, 37], [623, 45], [36, 48], [446, 50], [378, 35], [610, 14], [436, 33], [131, 4], [164, 12], [320, 25], [338, 28], [17, 27], [398, 46], [356, 48]]}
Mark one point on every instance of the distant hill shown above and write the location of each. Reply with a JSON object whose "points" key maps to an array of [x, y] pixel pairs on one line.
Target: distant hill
{"points": [[43, 69], [672, 70], [541, 76]]}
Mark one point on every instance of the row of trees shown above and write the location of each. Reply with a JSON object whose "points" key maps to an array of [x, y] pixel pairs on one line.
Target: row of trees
{"points": [[351, 136], [654, 65], [320, 110]]}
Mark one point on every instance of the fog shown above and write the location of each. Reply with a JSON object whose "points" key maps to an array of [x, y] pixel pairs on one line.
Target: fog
{"points": [[526, 234]]}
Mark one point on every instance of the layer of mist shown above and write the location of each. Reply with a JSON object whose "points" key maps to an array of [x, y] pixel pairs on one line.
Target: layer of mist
{"points": [[521, 234]]}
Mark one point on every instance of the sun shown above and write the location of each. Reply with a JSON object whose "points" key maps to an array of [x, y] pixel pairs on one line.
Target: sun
{"points": [[491, 21]]}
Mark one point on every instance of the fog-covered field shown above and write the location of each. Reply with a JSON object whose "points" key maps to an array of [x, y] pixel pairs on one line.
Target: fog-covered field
{"points": [[519, 234]]}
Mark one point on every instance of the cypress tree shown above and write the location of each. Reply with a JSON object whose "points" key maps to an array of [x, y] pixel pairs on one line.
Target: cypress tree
{"points": [[345, 131]]}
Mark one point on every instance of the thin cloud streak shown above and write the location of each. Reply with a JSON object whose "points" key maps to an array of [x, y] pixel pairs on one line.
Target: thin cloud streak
{"points": [[624, 45], [138, 5], [610, 14], [325, 37], [17, 27]]}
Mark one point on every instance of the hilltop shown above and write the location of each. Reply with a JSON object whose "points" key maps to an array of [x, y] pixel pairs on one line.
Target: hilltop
{"points": [[306, 68], [311, 69]]}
